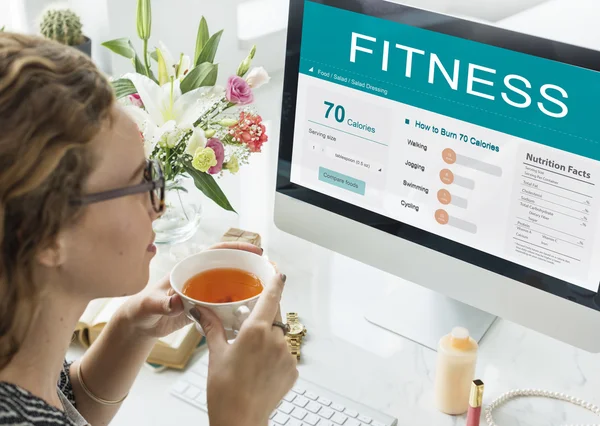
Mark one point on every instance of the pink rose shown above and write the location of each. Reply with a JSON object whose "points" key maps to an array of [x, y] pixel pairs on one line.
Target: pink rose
{"points": [[216, 145], [238, 91], [136, 100]]}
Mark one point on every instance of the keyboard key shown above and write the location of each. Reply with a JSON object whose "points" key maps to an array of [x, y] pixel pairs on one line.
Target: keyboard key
{"points": [[302, 406], [192, 392], [300, 401], [299, 413], [313, 407], [311, 419], [286, 407], [201, 369], [365, 419], [289, 397], [299, 391], [324, 401], [311, 395], [351, 413], [201, 398], [180, 387], [339, 419], [281, 419], [326, 413]]}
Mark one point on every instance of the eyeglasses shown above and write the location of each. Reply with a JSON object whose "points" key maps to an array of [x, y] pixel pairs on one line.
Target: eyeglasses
{"points": [[154, 183]]}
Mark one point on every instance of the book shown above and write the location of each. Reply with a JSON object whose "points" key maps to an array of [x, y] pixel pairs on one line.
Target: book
{"points": [[174, 350]]}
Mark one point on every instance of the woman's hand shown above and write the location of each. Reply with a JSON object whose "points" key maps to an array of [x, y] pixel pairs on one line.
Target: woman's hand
{"points": [[157, 311], [248, 378]]}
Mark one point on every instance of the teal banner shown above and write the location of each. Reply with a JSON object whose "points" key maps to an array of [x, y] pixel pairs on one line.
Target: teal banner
{"points": [[544, 101]]}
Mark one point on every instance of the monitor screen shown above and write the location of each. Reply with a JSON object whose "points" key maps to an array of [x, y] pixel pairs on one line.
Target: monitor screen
{"points": [[477, 142]]}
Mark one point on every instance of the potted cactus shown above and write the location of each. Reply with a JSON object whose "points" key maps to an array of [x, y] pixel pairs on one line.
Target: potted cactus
{"points": [[64, 26]]}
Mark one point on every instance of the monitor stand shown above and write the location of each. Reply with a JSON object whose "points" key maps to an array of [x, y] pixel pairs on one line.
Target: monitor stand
{"points": [[424, 316]]}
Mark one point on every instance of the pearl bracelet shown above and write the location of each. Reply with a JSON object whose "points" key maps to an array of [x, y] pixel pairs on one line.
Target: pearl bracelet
{"points": [[91, 395], [539, 393]]}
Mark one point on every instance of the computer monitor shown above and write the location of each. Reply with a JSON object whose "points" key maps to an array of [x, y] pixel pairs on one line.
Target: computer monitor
{"points": [[461, 157]]}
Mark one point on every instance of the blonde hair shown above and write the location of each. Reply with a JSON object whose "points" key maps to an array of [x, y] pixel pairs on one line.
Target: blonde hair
{"points": [[53, 101]]}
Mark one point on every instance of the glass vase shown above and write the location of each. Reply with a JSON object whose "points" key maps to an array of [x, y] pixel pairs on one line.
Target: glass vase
{"points": [[182, 215]]}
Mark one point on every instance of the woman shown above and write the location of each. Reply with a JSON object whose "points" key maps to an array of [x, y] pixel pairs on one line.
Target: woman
{"points": [[77, 201]]}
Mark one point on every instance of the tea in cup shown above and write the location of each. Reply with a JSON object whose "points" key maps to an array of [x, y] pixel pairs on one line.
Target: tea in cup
{"points": [[228, 282]]}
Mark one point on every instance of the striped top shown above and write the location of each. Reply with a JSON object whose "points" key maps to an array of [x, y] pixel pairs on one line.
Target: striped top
{"points": [[19, 407]]}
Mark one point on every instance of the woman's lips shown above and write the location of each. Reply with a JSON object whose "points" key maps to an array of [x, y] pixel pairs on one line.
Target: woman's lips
{"points": [[151, 247]]}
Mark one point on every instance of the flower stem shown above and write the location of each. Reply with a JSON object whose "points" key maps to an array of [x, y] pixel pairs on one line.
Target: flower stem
{"points": [[172, 89], [182, 207], [167, 165], [146, 57], [207, 115]]}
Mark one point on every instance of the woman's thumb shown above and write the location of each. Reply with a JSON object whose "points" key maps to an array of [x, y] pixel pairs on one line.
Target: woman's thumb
{"points": [[158, 304], [212, 326]]}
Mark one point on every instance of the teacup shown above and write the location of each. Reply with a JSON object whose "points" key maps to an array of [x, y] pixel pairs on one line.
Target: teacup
{"points": [[232, 314]]}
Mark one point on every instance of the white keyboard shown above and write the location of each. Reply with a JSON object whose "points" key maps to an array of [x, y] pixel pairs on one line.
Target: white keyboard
{"points": [[307, 404]]}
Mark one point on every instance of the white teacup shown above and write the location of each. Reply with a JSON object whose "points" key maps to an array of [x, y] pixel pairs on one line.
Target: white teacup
{"points": [[232, 314]]}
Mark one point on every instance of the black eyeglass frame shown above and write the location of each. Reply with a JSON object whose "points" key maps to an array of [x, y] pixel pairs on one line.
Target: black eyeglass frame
{"points": [[150, 186]]}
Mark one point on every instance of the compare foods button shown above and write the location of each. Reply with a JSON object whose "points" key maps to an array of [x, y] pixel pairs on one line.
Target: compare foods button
{"points": [[342, 181]]}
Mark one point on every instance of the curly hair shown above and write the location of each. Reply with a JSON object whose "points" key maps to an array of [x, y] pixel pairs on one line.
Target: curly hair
{"points": [[53, 102]]}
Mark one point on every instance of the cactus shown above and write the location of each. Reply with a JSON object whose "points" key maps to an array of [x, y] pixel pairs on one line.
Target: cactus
{"points": [[63, 26]]}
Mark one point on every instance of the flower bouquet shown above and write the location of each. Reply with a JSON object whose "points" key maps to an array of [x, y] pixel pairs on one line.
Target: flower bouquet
{"points": [[195, 128]]}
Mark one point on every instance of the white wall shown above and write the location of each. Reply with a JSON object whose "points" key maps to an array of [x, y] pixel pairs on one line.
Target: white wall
{"points": [[487, 10], [24, 15], [94, 15], [175, 22], [12, 15]]}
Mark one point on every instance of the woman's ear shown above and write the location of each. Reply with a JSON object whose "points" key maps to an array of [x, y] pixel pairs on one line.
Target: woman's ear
{"points": [[53, 255]]}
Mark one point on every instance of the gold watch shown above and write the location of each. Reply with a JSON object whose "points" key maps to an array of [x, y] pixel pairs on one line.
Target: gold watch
{"points": [[295, 335]]}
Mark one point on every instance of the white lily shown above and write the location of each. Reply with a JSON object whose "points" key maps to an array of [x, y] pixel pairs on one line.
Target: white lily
{"points": [[197, 140], [173, 69], [167, 109], [168, 60], [183, 66], [152, 133]]}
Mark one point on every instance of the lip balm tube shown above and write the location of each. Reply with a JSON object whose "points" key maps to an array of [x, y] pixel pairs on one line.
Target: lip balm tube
{"points": [[475, 403]]}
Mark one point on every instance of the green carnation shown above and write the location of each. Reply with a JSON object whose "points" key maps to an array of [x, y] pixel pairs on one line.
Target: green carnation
{"points": [[232, 165], [204, 159]]}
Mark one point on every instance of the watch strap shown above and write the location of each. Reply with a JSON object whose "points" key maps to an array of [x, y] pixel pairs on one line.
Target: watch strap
{"points": [[294, 342]]}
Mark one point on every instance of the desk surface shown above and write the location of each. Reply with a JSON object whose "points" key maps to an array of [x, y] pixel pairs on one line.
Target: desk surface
{"points": [[366, 363], [355, 358]]}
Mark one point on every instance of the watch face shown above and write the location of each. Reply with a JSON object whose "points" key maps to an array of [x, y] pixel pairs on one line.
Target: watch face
{"points": [[296, 328]]}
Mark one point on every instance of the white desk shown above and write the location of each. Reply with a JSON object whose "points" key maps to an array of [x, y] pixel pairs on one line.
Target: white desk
{"points": [[361, 361], [352, 357]]}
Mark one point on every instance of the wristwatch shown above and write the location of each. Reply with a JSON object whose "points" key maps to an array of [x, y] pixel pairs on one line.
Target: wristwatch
{"points": [[295, 335]]}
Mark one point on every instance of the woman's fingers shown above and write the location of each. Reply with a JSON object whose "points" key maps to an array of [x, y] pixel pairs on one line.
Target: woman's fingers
{"points": [[237, 245], [267, 307]]}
